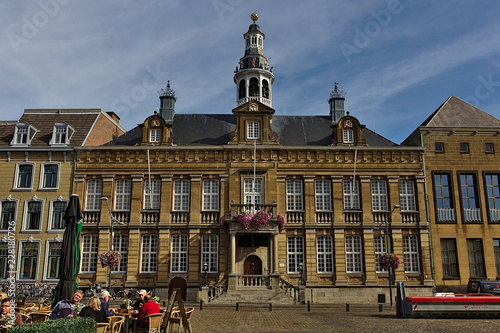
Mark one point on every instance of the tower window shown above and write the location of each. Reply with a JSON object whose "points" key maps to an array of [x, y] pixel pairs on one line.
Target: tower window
{"points": [[254, 87], [242, 89], [254, 40], [265, 89], [253, 130]]}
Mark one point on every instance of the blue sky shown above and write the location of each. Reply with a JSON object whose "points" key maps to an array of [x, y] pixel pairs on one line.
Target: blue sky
{"points": [[397, 61]]}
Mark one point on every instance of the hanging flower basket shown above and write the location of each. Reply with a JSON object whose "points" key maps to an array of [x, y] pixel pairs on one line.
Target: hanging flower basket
{"points": [[389, 260], [110, 259]]}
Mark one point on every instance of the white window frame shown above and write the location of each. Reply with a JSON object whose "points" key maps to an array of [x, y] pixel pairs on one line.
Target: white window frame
{"points": [[411, 255], [60, 129], [4, 261], [210, 195], [181, 194], [28, 133], [324, 253], [120, 244], [210, 253], [323, 195], [51, 213], [26, 212], [17, 176], [179, 246], [295, 254], [88, 263], [155, 135], [149, 253], [152, 198], [252, 192], [4, 225], [407, 195], [47, 255], [20, 260], [353, 254], [351, 194], [348, 136], [294, 195], [93, 195], [379, 247], [253, 130], [41, 185], [123, 194], [379, 195]]}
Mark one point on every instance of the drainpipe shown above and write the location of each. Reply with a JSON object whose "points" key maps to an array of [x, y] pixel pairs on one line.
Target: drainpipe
{"points": [[74, 172], [427, 209]]}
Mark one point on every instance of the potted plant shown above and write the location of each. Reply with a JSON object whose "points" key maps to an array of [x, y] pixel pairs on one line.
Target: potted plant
{"points": [[125, 306], [20, 299], [110, 259], [44, 305], [156, 299]]}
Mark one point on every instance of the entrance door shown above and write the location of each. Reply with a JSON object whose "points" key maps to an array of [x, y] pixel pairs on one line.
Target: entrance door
{"points": [[252, 266], [180, 283]]}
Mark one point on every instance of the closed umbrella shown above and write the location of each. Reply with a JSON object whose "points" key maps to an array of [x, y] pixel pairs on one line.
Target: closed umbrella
{"points": [[70, 256]]}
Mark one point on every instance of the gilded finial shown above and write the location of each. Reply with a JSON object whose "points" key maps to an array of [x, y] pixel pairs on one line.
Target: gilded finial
{"points": [[254, 17]]}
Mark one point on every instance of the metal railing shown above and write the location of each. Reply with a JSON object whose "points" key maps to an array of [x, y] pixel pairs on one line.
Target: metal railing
{"points": [[494, 215], [472, 214]]}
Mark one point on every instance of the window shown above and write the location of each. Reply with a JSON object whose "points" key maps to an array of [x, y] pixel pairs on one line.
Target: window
{"points": [[210, 195], [57, 209], [493, 194], [476, 258], [323, 195], [178, 262], [8, 213], [324, 250], [89, 253], [253, 87], [489, 148], [23, 135], [407, 195], [210, 253], [439, 147], [123, 189], [181, 195], [4, 260], [62, 134], [464, 148], [442, 195], [120, 244], [253, 130], [152, 188], [93, 197], [154, 135], [295, 253], [449, 257], [496, 249], [265, 89], [470, 204], [294, 200], [351, 194], [410, 250], [54, 252], [149, 254], [379, 195], [252, 191], [24, 175], [379, 244], [242, 91], [49, 175], [353, 256], [29, 260], [33, 215], [348, 136]]}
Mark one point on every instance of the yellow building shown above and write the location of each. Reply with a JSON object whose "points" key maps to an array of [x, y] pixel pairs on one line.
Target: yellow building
{"points": [[37, 162], [171, 181], [462, 170]]}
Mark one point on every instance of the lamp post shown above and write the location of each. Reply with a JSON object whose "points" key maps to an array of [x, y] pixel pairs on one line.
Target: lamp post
{"points": [[387, 247], [205, 270], [111, 238], [301, 270]]}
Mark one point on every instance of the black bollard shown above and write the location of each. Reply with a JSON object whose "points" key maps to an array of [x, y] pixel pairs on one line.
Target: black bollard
{"points": [[346, 307], [201, 304], [308, 306], [237, 306], [270, 306], [380, 307]]}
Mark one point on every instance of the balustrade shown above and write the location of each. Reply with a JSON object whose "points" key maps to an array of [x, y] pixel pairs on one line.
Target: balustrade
{"points": [[446, 214], [324, 217], [150, 216], [210, 217], [353, 216], [180, 217], [91, 217]]}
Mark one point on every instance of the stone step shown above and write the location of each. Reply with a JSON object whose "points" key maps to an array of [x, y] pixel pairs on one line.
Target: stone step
{"points": [[254, 297]]}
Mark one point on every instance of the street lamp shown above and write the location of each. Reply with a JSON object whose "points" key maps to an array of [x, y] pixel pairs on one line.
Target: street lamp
{"points": [[387, 247], [205, 270], [111, 238], [301, 270]]}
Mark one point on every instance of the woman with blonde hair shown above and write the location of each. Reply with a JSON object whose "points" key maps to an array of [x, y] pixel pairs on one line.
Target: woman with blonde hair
{"points": [[93, 309]]}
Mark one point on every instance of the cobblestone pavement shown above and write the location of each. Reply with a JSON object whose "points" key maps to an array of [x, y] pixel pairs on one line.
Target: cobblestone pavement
{"points": [[299, 320]]}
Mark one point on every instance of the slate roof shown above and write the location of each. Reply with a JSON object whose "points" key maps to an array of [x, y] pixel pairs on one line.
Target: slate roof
{"points": [[214, 129]]}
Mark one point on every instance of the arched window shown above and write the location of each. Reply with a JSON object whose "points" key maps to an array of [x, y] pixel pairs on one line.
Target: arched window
{"points": [[248, 42], [260, 41], [254, 40], [254, 87], [265, 89], [242, 89]]}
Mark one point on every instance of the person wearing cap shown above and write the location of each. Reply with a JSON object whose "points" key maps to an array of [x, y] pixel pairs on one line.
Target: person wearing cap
{"points": [[140, 301], [105, 303]]}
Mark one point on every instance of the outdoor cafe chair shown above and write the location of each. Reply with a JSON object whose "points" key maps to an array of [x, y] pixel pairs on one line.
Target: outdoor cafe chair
{"points": [[154, 323], [39, 317], [115, 324], [102, 327], [176, 318]]}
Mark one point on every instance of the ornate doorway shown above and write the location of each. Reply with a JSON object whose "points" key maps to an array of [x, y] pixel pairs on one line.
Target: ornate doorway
{"points": [[180, 283], [252, 266]]}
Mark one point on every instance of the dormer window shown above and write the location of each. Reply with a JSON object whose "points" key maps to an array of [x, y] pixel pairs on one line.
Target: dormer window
{"points": [[23, 135], [253, 130], [154, 135], [348, 136], [62, 134]]}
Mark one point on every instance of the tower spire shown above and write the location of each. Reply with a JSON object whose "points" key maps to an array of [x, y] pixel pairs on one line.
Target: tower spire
{"points": [[167, 103]]}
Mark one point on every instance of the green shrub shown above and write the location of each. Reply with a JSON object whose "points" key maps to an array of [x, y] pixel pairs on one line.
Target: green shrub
{"points": [[68, 324]]}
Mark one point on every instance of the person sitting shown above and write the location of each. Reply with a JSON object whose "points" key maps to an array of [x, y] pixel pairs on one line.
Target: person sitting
{"points": [[66, 307], [93, 309], [147, 309], [6, 317], [140, 301], [105, 303]]}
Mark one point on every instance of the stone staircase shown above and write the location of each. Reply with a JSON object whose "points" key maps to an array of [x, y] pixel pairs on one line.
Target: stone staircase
{"points": [[254, 296]]}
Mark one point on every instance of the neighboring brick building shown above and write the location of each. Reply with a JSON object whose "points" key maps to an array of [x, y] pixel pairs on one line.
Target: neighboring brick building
{"points": [[462, 165], [37, 163]]}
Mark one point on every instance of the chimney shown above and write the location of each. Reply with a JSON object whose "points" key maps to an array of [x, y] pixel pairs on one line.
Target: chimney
{"points": [[336, 101], [167, 103]]}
